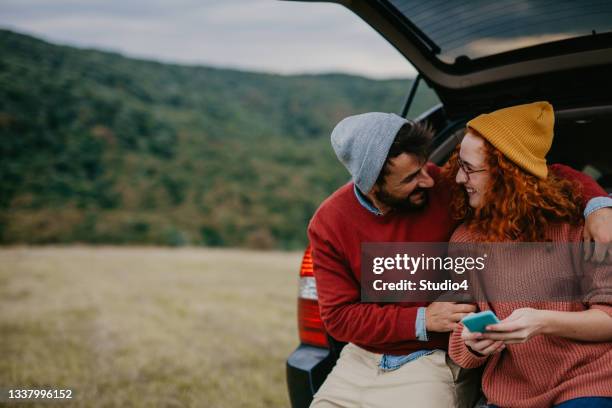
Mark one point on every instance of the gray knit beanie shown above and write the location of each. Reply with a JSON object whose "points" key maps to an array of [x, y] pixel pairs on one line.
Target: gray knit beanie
{"points": [[362, 143]]}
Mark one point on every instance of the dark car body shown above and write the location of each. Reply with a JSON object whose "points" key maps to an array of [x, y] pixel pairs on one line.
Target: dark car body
{"points": [[479, 56]]}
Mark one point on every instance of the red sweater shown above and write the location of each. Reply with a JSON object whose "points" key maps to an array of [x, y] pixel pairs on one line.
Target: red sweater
{"points": [[336, 232]]}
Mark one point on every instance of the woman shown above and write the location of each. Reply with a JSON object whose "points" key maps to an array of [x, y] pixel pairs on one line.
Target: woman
{"points": [[543, 353]]}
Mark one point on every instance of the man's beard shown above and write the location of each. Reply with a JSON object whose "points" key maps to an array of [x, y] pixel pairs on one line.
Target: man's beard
{"points": [[401, 203]]}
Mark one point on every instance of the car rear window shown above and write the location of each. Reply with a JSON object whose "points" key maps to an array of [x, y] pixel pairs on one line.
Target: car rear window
{"points": [[479, 28]]}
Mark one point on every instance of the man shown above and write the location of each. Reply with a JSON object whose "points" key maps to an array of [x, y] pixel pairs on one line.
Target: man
{"points": [[396, 353]]}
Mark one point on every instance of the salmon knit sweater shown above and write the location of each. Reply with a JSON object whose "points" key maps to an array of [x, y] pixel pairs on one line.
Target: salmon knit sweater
{"points": [[545, 370]]}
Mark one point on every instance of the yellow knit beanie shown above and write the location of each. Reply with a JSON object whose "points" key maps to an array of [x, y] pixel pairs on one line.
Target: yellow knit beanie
{"points": [[523, 133]]}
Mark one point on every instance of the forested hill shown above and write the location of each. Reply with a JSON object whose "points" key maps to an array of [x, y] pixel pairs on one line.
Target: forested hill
{"points": [[96, 147]]}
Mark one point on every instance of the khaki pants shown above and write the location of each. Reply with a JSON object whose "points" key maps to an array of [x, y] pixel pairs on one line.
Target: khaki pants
{"points": [[431, 381]]}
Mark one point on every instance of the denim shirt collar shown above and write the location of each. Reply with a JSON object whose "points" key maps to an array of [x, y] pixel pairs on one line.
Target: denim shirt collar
{"points": [[364, 201]]}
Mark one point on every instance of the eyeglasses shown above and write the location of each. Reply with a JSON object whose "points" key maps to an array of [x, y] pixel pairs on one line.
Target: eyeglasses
{"points": [[467, 171]]}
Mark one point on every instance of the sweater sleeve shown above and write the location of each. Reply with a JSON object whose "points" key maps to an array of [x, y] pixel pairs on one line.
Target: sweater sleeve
{"points": [[595, 278], [597, 286], [339, 296], [588, 187], [460, 353]]}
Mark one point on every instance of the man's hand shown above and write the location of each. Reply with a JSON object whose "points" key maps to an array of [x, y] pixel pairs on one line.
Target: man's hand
{"points": [[598, 228], [519, 327], [477, 344], [443, 316]]}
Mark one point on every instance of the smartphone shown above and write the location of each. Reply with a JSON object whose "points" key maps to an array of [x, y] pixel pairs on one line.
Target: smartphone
{"points": [[477, 322]]}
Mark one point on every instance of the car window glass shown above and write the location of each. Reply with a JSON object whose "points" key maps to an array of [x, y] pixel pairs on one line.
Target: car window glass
{"points": [[425, 99], [478, 28]]}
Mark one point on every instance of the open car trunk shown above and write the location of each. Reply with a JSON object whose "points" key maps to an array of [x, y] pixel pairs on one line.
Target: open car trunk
{"points": [[583, 140], [481, 55]]}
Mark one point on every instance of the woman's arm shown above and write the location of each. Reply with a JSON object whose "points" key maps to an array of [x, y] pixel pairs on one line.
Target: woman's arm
{"points": [[588, 325]]}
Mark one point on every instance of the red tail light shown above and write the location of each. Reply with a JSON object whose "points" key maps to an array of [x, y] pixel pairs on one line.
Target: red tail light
{"points": [[310, 325]]}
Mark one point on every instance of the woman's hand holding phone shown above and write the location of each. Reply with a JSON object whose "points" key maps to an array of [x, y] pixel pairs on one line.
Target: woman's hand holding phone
{"points": [[520, 326], [480, 345]]}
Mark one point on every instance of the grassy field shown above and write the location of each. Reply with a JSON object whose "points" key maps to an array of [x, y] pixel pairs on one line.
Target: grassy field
{"points": [[144, 327]]}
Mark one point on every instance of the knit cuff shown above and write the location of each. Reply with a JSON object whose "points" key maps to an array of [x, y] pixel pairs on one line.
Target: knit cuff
{"points": [[407, 323], [459, 352]]}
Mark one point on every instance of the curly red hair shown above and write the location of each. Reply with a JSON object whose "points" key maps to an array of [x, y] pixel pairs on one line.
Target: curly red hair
{"points": [[517, 205]]}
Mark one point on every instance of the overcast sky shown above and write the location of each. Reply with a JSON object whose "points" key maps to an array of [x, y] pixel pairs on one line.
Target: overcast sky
{"points": [[262, 35]]}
